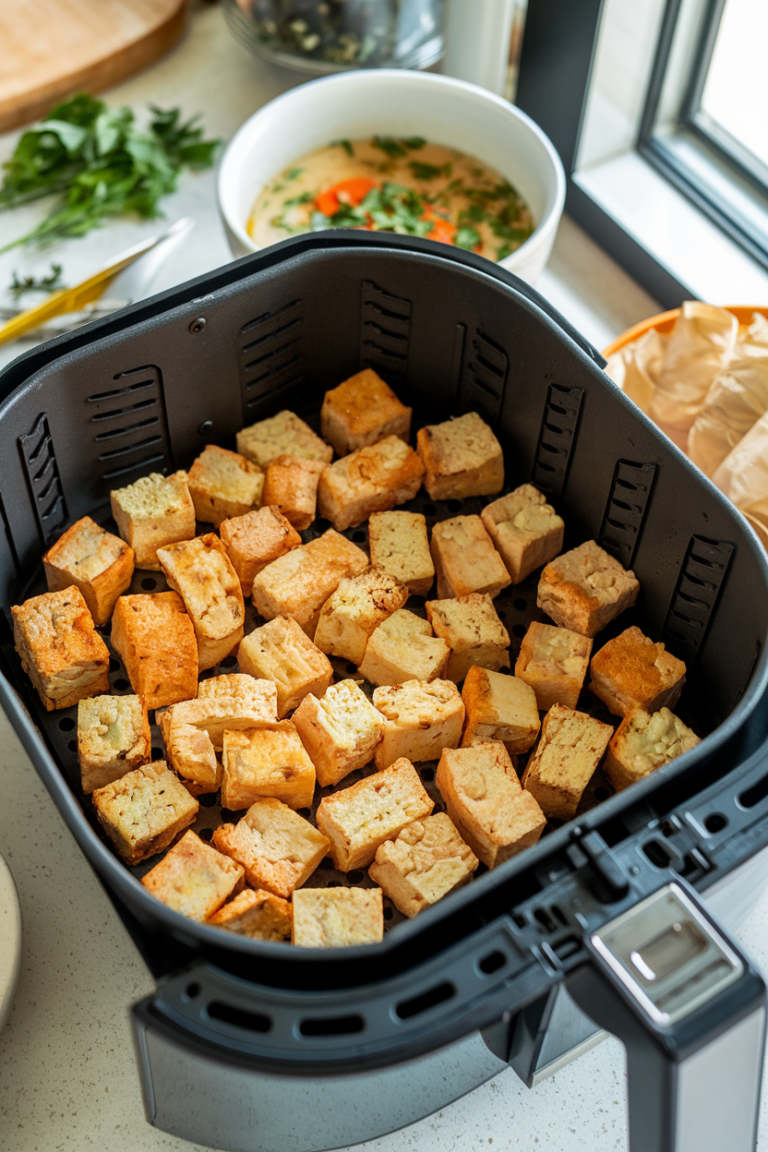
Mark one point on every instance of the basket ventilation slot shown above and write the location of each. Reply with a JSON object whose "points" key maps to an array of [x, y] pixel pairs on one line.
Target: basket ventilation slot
{"points": [[556, 439], [625, 513], [130, 432], [483, 377], [701, 577], [385, 329], [270, 354], [43, 478]]}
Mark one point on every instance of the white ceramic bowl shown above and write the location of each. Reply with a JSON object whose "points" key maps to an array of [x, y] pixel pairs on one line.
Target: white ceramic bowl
{"points": [[390, 102]]}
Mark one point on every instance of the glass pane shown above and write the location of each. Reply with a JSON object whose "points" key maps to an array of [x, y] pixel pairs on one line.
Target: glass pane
{"points": [[736, 91]]}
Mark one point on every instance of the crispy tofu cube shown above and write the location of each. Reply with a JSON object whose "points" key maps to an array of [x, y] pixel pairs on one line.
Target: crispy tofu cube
{"points": [[339, 731], [298, 584], [360, 818], [554, 662], [462, 457], [472, 629], [419, 720], [258, 915], [585, 589], [486, 802], [224, 704], [240, 685], [362, 411], [425, 862], [152, 512], [371, 479], [223, 483], [255, 540], [465, 559], [357, 607], [634, 672], [568, 752], [525, 529], [281, 435], [398, 543], [190, 752], [499, 708], [60, 650], [156, 641], [337, 917], [201, 572], [278, 849], [262, 762], [144, 811], [113, 737], [643, 742], [193, 878], [95, 561], [291, 486], [281, 652], [403, 648]]}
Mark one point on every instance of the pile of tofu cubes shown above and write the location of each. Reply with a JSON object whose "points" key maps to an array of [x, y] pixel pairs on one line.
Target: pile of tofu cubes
{"points": [[419, 688]]}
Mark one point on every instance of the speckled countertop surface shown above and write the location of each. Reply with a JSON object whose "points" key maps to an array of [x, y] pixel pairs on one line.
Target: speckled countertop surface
{"points": [[68, 1078]]}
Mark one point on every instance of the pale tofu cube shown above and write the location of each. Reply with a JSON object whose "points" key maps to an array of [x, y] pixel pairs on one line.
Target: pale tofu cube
{"points": [[361, 411], [554, 662], [152, 512], [462, 457], [256, 539], [155, 639], [193, 878], [357, 607], [358, 819], [419, 720], [499, 708], [337, 917], [371, 479], [525, 529], [465, 559], [282, 435], [399, 544], [404, 648], [644, 742], [473, 631], [258, 915], [569, 750], [191, 754], [245, 702], [262, 762], [95, 561], [201, 572], [280, 651], [222, 484], [339, 731], [241, 686], [278, 849], [585, 589], [113, 738], [425, 862], [634, 672], [291, 487], [144, 811]]}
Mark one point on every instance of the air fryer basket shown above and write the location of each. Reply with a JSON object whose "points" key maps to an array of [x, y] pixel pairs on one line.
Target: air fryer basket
{"points": [[146, 390]]}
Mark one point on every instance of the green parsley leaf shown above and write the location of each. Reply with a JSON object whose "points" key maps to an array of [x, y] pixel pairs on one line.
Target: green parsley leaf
{"points": [[428, 171], [49, 283], [304, 198], [345, 144], [389, 146], [467, 238], [414, 143]]}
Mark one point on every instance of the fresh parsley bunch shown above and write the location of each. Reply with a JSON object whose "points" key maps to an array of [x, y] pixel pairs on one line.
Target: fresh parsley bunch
{"points": [[100, 164]]}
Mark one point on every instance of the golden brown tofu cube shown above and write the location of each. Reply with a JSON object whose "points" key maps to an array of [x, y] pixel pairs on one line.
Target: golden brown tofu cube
{"points": [[554, 662], [568, 752], [255, 540], [644, 742], [152, 512], [369, 480], [60, 650], [280, 651], [419, 720], [201, 572], [585, 589], [281, 435], [258, 915], [155, 639], [486, 802], [462, 457], [224, 704], [144, 811], [223, 483], [425, 862], [465, 559], [404, 648], [193, 878], [278, 849], [499, 708], [291, 486], [95, 561], [190, 752], [357, 607], [339, 731], [525, 529], [634, 672], [113, 737], [358, 819], [361, 411], [262, 762], [298, 584], [337, 917], [399, 544], [472, 629]]}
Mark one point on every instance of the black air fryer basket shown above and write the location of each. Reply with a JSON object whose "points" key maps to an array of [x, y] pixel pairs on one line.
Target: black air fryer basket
{"points": [[606, 904]]}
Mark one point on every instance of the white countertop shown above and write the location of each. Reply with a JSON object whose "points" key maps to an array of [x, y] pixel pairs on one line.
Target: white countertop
{"points": [[68, 1079]]}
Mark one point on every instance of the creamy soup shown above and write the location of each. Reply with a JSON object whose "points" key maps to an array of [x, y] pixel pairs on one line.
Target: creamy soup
{"points": [[395, 185]]}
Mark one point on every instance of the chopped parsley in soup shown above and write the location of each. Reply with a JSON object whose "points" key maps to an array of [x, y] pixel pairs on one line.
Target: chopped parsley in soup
{"points": [[395, 185]]}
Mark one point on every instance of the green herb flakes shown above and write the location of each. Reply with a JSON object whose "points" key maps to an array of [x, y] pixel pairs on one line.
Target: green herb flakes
{"points": [[467, 238], [389, 146], [429, 171], [49, 283], [345, 144]]}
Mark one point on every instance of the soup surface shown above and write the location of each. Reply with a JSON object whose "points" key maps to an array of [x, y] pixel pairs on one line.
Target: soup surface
{"points": [[388, 185]]}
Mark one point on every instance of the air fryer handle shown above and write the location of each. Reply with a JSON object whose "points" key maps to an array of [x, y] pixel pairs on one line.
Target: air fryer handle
{"points": [[690, 1010]]}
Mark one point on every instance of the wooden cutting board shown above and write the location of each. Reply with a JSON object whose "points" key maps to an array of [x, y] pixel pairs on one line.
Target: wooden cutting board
{"points": [[50, 49]]}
